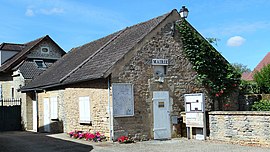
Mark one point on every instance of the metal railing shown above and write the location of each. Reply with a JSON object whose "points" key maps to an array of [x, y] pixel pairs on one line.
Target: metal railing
{"points": [[10, 102]]}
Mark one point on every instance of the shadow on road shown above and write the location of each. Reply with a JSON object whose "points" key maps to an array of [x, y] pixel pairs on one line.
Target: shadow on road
{"points": [[37, 142]]}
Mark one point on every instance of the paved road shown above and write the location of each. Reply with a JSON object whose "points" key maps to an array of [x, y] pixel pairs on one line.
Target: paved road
{"points": [[39, 142], [35, 142]]}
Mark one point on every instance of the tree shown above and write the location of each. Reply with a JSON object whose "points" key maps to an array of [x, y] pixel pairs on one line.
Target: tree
{"points": [[240, 68], [263, 79], [212, 40]]}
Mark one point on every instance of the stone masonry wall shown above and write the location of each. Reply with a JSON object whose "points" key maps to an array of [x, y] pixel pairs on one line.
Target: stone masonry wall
{"points": [[245, 127], [97, 91], [179, 80]]}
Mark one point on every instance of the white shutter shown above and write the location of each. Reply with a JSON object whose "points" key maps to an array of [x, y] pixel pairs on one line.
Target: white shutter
{"points": [[54, 108], [84, 105]]}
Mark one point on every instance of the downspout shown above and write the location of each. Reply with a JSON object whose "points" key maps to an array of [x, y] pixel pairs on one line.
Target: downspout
{"points": [[36, 98], [109, 111]]}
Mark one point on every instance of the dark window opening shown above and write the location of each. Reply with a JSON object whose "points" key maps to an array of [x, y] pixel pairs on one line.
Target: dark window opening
{"points": [[40, 64]]}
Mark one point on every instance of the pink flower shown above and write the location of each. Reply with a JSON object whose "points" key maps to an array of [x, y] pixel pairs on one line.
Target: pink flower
{"points": [[227, 105]]}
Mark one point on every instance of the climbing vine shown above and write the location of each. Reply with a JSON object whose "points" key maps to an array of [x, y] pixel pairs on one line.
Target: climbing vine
{"points": [[214, 72]]}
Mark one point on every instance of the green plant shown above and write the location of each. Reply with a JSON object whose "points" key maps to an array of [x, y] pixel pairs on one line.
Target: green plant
{"points": [[249, 87], [262, 105], [263, 79], [213, 71]]}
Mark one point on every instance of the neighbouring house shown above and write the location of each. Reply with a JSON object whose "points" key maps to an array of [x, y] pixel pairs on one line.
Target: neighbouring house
{"points": [[248, 76], [130, 82], [21, 63]]}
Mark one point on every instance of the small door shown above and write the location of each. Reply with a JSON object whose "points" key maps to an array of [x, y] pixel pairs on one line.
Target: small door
{"points": [[34, 116], [46, 114], [162, 125]]}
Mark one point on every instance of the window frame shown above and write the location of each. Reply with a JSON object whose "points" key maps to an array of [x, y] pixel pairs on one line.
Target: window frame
{"points": [[45, 47], [43, 64], [84, 110], [54, 108]]}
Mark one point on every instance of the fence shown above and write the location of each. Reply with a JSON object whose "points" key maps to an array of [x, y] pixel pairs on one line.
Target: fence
{"points": [[10, 102]]}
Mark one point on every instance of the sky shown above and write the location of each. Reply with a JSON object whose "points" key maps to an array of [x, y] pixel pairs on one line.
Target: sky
{"points": [[242, 26]]}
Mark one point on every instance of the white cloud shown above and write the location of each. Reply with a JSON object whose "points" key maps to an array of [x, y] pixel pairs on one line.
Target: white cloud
{"points": [[238, 28], [236, 41], [52, 11], [29, 12]]}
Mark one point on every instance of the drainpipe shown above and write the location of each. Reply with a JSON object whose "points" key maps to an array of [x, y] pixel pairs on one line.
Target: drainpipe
{"points": [[36, 98], [109, 111]]}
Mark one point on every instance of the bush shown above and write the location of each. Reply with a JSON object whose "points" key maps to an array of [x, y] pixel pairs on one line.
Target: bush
{"points": [[262, 105], [263, 79], [249, 87]]}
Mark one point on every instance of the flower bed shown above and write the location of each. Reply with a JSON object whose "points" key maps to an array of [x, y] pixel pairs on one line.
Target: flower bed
{"points": [[96, 137], [125, 139]]}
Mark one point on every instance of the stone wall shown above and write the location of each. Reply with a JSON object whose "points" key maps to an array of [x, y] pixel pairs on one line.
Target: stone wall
{"points": [[97, 91], [68, 107], [245, 127], [137, 69]]}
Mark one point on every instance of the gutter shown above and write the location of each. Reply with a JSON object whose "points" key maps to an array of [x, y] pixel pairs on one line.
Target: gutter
{"points": [[110, 112]]}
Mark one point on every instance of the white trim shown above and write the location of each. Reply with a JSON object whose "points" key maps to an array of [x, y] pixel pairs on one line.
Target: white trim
{"points": [[84, 110], [41, 50], [43, 63], [54, 108]]}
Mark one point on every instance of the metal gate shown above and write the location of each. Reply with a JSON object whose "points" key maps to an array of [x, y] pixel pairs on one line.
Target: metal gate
{"points": [[10, 115]]}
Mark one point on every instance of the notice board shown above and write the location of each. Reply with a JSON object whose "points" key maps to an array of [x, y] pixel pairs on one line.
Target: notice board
{"points": [[123, 99]]}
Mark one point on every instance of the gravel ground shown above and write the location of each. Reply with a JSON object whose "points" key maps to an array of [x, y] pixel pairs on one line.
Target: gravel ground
{"points": [[40, 142], [174, 145]]}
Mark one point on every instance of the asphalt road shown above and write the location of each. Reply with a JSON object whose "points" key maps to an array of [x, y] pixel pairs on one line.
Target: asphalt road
{"points": [[37, 142], [40, 142]]}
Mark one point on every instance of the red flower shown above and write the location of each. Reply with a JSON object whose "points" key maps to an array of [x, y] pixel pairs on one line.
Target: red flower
{"points": [[217, 94], [227, 105], [122, 139], [89, 136]]}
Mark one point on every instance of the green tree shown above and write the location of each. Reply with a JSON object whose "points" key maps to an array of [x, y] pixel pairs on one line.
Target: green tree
{"points": [[212, 40], [263, 79], [240, 68]]}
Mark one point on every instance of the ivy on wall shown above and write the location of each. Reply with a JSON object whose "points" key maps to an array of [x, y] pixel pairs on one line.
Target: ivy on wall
{"points": [[214, 72]]}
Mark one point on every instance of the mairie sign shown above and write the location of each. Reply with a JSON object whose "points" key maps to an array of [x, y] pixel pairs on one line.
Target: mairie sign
{"points": [[160, 62]]}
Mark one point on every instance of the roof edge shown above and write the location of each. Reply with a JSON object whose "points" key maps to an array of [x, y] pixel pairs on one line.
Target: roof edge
{"points": [[109, 71]]}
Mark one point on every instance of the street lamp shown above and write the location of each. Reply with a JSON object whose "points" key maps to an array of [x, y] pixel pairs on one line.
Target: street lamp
{"points": [[183, 12]]}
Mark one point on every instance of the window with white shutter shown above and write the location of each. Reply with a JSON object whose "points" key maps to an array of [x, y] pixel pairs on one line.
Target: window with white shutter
{"points": [[84, 105], [54, 108]]}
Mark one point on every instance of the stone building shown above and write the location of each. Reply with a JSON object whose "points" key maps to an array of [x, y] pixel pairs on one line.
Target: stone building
{"points": [[130, 82], [20, 63]]}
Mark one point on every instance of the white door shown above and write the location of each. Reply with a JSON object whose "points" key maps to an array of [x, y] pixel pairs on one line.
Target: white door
{"points": [[34, 116], [162, 125], [46, 114]]}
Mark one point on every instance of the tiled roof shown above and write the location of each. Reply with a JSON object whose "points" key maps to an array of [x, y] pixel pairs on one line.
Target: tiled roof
{"points": [[265, 61], [20, 56], [11, 47], [93, 60], [29, 69], [246, 76]]}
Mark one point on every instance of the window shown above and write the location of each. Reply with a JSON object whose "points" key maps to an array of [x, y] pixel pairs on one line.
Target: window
{"points": [[12, 93], [45, 50], [84, 108], [54, 108], [40, 63]]}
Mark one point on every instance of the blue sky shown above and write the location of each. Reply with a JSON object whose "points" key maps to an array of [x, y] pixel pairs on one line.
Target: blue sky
{"points": [[243, 26]]}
